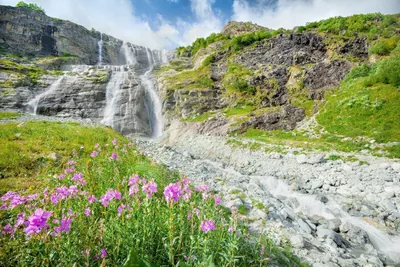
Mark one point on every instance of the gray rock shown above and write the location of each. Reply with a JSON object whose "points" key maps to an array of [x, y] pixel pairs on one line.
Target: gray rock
{"points": [[297, 241], [301, 159], [304, 226], [315, 159], [317, 184]]}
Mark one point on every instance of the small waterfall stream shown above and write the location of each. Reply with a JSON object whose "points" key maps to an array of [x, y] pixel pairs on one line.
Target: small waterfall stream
{"points": [[33, 104], [100, 44]]}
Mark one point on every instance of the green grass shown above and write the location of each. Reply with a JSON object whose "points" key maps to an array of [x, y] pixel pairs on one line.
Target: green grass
{"points": [[238, 110], [191, 80], [151, 232], [9, 115], [24, 150], [201, 118], [366, 104]]}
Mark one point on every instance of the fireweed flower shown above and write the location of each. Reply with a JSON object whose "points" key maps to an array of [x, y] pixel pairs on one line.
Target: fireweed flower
{"points": [[122, 207], [114, 142], [217, 200], [96, 145], [86, 252], [207, 226], [133, 190], [114, 156], [71, 162], [103, 253], [173, 192], [65, 225], [110, 195], [133, 179], [230, 230], [61, 176], [8, 195], [92, 199], [3, 207], [37, 222], [94, 154], [202, 188], [150, 188], [88, 212], [8, 229], [72, 169]]}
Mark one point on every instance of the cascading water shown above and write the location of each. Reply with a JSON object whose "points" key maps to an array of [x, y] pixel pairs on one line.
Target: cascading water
{"points": [[100, 44], [32, 105], [113, 92], [153, 102], [308, 204]]}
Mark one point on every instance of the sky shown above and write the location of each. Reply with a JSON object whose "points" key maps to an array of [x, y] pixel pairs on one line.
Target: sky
{"points": [[166, 24]]}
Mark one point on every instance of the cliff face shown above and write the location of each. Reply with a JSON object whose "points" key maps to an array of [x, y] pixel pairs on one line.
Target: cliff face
{"points": [[56, 68], [273, 84], [25, 31]]}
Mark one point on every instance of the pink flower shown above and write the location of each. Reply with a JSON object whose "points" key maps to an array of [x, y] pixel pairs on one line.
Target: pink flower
{"points": [[196, 211], [202, 188], [96, 145], [114, 156], [110, 195], [92, 199], [88, 212], [207, 226], [71, 162], [37, 222], [173, 192], [103, 253], [150, 188], [8, 229], [72, 169], [3, 207], [94, 154], [65, 225], [8, 195], [114, 142], [230, 230], [20, 220], [121, 209], [86, 252], [133, 180], [217, 200]]}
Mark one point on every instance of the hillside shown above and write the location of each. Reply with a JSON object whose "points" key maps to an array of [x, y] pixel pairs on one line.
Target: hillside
{"points": [[340, 73]]}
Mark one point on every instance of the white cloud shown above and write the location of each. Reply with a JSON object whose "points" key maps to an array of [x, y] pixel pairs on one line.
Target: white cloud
{"points": [[290, 13], [118, 18]]}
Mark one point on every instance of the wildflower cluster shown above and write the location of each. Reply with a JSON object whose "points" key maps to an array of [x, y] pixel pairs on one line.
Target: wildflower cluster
{"points": [[119, 203]]}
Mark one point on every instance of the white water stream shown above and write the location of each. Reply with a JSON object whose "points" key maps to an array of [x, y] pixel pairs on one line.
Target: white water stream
{"points": [[384, 243], [100, 44], [33, 104]]}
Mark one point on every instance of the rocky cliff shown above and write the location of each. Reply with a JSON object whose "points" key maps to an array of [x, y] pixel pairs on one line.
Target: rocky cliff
{"points": [[42, 72], [250, 77]]}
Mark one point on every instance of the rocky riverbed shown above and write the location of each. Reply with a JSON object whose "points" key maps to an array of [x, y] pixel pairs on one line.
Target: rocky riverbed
{"points": [[332, 213]]}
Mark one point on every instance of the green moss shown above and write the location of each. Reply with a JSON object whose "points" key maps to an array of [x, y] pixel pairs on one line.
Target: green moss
{"points": [[242, 209], [201, 118], [238, 110], [31, 72], [190, 80], [100, 77]]}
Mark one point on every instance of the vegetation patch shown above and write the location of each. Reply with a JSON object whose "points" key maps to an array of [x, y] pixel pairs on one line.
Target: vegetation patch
{"points": [[107, 204], [9, 115], [31, 6]]}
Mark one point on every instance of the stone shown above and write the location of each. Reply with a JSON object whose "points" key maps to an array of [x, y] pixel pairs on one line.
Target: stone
{"points": [[315, 159], [396, 166], [304, 226], [387, 205], [297, 241], [322, 198], [54, 156], [301, 159], [316, 184], [334, 224], [345, 227]]}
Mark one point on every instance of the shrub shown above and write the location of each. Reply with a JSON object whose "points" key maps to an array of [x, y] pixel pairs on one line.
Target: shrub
{"points": [[388, 71], [208, 60], [361, 71], [31, 6], [242, 85], [384, 46]]}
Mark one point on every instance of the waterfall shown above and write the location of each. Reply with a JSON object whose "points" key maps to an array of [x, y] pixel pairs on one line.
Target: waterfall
{"points": [[128, 51], [153, 101], [113, 91], [33, 104], [100, 44]]}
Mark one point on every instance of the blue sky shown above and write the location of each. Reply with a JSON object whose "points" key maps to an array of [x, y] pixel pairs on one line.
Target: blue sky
{"points": [[166, 24]]}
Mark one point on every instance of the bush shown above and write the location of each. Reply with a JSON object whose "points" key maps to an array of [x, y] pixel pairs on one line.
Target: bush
{"points": [[361, 71], [242, 85], [31, 6], [209, 60], [384, 46], [388, 71]]}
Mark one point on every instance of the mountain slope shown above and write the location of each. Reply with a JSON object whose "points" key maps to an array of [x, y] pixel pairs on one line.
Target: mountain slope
{"points": [[276, 80]]}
